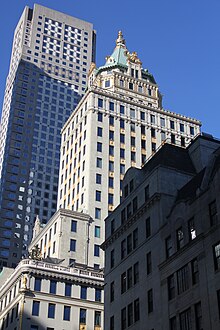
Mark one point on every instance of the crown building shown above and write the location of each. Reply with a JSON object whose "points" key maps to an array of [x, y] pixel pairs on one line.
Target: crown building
{"points": [[119, 123], [50, 59]]}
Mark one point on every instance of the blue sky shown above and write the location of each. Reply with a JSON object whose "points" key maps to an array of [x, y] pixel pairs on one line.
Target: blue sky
{"points": [[177, 41]]}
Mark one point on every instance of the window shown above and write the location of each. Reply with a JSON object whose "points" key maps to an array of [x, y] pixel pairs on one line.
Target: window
{"points": [[171, 287], [123, 282], [135, 238], [122, 153], [185, 320], [147, 193], [68, 289], [66, 313], [216, 254], [99, 131], [111, 150], [112, 226], [173, 141], [136, 272], [213, 213], [183, 279], [135, 204], [98, 195], [111, 199], [148, 227], [37, 284], [100, 103], [179, 238], [218, 299], [111, 166], [111, 135], [82, 316], [172, 124], [169, 247], [192, 131], [97, 320], [111, 182], [129, 278], [53, 286], [129, 244], [122, 123], [51, 311], [111, 106], [107, 83], [130, 314], [153, 147], [130, 85], [112, 291], [97, 213], [191, 229], [33, 327], [98, 294], [99, 162], [98, 178], [181, 127], [152, 119], [96, 250], [112, 258], [111, 120], [162, 122], [195, 271], [149, 263], [74, 226], [35, 308], [99, 146], [112, 323], [123, 319], [150, 300], [173, 325], [133, 156], [142, 115], [136, 310], [97, 231], [122, 109], [198, 316], [153, 133], [83, 292], [72, 245], [182, 141], [100, 116], [123, 249]]}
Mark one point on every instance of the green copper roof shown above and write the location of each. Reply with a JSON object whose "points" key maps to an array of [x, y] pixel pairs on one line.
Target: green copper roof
{"points": [[118, 57]]}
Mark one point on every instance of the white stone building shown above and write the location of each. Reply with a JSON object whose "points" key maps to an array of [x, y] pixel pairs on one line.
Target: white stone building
{"points": [[59, 287], [119, 123]]}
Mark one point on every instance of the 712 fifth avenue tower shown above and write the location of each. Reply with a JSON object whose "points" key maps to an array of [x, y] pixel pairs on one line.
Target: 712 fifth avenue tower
{"points": [[51, 55]]}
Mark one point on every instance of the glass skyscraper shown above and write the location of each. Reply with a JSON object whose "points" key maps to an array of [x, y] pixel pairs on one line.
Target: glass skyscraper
{"points": [[51, 56]]}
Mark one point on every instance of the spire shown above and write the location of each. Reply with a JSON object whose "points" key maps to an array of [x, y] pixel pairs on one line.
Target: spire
{"points": [[37, 227], [120, 41]]}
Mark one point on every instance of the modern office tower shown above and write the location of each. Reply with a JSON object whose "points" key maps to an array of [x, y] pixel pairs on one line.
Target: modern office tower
{"points": [[118, 123], [48, 293], [162, 247], [51, 55]]}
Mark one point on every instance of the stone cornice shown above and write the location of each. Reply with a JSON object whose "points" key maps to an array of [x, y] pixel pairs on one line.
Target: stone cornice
{"points": [[134, 218]]}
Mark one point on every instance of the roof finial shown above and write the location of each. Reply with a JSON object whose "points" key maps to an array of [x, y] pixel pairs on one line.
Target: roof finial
{"points": [[120, 40]]}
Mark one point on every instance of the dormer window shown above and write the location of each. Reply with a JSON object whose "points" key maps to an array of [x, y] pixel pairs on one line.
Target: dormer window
{"points": [[107, 83]]}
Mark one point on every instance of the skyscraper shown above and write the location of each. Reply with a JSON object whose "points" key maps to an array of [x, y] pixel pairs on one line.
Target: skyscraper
{"points": [[119, 123], [51, 55]]}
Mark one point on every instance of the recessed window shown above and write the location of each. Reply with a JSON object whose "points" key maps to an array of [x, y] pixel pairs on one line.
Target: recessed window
{"points": [[53, 287], [97, 213], [96, 250], [73, 226], [35, 308], [83, 292], [68, 289], [99, 162], [98, 178], [98, 195], [179, 238], [37, 284], [100, 103], [216, 255], [192, 131], [111, 106], [99, 131], [99, 146], [107, 83], [66, 313], [51, 311], [72, 245], [97, 231], [181, 127]]}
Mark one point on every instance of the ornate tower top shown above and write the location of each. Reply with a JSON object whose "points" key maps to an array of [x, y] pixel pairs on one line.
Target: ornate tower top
{"points": [[120, 41]]}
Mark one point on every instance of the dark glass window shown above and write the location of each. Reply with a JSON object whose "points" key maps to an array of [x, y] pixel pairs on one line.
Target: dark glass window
{"points": [[68, 289], [198, 316], [171, 286], [149, 263], [98, 294], [130, 314], [82, 316], [112, 291], [183, 279], [53, 286], [150, 301], [37, 284], [123, 249], [35, 308], [136, 272], [216, 254], [51, 311], [123, 282], [136, 310], [72, 245], [97, 320], [195, 271], [74, 226], [83, 292], [112, 259], [185, 320], [129, 244], [213, 213], [169, 247], [123, 319], [66, 313], [148, 227]]}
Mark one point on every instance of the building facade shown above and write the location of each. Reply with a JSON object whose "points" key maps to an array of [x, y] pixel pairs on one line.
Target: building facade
{"points": [[119, 123], [41, 295], [162, 247], [69, 236], [51, 55]]}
